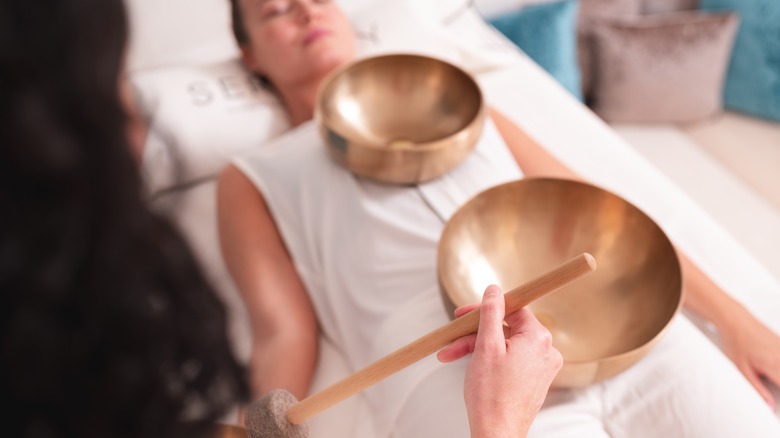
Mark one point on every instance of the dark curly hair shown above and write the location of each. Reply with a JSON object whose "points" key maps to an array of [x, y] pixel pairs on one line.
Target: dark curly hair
{"points": [[107, 326]]}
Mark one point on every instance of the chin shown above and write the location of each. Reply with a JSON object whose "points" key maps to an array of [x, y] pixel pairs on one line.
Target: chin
{"points": [[331, 61]]}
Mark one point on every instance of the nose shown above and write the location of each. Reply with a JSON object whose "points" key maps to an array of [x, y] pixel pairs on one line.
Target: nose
{"points": [[307, 11]]}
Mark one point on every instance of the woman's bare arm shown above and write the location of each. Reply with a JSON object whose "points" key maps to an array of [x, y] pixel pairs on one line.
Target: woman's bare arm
{"points": [[284, 326], [532, 158], [753, 347]]}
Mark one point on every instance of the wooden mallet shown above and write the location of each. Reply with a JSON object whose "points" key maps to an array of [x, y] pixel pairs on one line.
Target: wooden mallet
{"points": [[279, 415]]}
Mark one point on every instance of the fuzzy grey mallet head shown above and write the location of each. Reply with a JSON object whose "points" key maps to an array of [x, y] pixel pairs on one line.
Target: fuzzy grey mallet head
{"points": [[267, 417]]}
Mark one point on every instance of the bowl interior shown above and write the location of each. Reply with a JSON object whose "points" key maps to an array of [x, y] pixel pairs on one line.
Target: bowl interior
{"points": [[515, 232], [399, 101]]}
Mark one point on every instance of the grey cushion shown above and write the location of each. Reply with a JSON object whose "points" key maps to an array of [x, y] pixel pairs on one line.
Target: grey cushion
{"points": [[664, 6], [590, 13], [662, 69]]}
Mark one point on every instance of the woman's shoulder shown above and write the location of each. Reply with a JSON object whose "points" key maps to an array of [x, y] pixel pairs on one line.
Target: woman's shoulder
{"points": [[290, 149]]}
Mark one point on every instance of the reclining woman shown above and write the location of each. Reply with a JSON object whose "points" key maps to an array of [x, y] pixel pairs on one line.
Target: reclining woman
{"points": [[109, 328], [312, 248]]}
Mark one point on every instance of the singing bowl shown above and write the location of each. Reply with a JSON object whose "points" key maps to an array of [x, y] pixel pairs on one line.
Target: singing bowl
{"points": [[602, 323], [400, 119]]}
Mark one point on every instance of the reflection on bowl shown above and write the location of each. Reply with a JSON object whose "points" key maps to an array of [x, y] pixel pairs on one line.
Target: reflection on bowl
{"points": [[602, 323], [400, 119]]}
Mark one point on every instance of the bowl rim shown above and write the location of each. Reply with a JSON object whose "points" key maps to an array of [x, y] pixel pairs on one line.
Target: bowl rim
{"points": [[320, 117], [611, 358]]}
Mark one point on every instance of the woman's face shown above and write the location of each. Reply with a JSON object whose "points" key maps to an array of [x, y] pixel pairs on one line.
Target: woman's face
{"points": [[295, 40]]}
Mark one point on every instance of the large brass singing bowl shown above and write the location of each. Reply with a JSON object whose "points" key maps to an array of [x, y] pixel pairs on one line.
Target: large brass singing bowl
{"points": [[400, 119], [602, 323]]}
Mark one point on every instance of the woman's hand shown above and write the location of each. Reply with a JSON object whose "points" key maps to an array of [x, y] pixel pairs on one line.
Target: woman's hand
{"points": [[510, 371], [754, 349]]}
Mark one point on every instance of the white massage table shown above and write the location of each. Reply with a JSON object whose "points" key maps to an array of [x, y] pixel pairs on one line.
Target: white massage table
{"points": [[521, 90]]}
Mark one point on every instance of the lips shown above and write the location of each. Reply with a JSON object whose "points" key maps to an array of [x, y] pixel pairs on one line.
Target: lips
{"points": [[315, 35]]}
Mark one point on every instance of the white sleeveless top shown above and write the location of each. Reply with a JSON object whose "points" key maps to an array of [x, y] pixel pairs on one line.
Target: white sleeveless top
{"points": [[366, 252]]}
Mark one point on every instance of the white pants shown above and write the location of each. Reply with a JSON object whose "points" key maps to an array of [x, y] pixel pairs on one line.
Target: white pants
{"points": [[685, 387]]}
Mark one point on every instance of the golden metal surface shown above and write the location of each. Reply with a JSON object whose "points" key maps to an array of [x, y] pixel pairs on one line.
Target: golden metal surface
{"points": [[400, 119], [602, 323]]}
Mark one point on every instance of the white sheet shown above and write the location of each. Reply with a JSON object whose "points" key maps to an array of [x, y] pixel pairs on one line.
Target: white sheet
{"points": [[529, 97]]}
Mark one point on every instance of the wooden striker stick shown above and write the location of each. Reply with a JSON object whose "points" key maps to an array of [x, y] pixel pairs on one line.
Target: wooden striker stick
{"points": [[434, 341]]}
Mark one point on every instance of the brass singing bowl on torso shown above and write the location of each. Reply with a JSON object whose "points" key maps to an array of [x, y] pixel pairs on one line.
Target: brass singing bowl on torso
{"points": [[401, 119], [602, 323]]}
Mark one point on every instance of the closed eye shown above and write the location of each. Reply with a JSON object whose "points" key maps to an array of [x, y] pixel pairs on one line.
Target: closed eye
{"points": [[275, 8]]}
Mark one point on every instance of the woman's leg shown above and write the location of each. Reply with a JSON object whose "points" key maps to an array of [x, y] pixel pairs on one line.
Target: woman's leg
{"points": [[685, 387], [436, 407], [570, 413]]}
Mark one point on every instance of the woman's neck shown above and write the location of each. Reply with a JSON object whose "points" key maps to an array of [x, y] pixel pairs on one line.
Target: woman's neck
{"points": [[299, 100]]}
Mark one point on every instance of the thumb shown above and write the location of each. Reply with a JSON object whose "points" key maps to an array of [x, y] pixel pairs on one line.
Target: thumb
{"points": [[490, 336]]}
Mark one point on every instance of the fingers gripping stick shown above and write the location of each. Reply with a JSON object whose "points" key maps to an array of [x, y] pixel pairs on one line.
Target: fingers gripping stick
{"points": [[278, 414]]}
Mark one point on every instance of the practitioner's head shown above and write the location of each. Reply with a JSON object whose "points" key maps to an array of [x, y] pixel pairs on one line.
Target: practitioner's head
{"points": [[107, 327], [291, 41]]}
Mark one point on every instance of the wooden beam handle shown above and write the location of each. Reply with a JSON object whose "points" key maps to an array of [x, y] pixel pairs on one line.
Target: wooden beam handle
{"points": [[434, 341]]}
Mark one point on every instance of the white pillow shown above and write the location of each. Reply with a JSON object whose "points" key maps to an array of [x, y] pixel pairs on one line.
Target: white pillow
{"points": [[188, 32], [198, 117], [491, 8], [178, 32], [453, 30], [400, 26], [201, 115], [481, 48]]}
